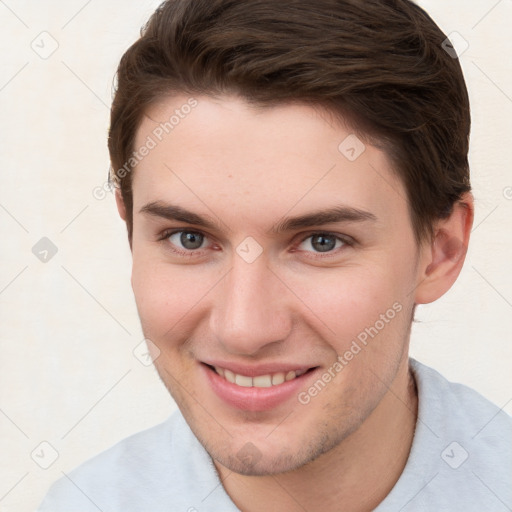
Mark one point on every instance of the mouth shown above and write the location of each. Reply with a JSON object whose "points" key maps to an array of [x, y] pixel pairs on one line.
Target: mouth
{"points": [[263, 390], [258, 381]]}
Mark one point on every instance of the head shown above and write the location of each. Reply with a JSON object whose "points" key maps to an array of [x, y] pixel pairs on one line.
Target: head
{"points": [[294, 180]]}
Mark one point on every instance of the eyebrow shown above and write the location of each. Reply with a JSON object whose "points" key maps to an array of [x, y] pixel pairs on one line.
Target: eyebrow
{"points": [[177, 213], [330, 215]]}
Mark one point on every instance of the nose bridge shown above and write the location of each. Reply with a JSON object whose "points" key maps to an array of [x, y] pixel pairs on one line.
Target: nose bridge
{"points": [[251, 311]]}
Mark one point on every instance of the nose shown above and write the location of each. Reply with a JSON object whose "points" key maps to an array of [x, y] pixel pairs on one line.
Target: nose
{"points": [[251, 309]]}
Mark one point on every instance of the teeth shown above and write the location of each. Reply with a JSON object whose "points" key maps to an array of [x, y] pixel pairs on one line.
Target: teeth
{"points": [[242, 380], [229, 376], [261, 381], [277, 379]]}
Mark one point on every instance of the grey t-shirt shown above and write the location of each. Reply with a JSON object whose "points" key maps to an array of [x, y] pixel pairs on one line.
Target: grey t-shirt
{"points": [[460, 460]]}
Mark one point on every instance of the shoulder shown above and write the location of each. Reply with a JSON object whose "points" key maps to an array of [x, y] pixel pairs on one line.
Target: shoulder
{"points": [[457, 407], [147, 471], [461, 456]]}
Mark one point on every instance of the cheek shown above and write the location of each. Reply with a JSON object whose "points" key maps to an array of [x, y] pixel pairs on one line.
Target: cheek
{"points": [[160, 298], [168, 297], [351, 302]]}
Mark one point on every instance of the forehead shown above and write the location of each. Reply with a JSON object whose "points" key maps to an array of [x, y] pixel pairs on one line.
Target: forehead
{"points": [[244, 160]]}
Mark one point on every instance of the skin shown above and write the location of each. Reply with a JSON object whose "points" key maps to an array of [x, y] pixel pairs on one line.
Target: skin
{"points": [[245, 169]]}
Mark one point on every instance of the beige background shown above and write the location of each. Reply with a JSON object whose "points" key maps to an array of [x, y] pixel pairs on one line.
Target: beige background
{"points": [[68, 327]]}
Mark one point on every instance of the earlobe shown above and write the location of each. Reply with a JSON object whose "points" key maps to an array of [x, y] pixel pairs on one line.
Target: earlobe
{"points": [[443, 258], [121, 208]]}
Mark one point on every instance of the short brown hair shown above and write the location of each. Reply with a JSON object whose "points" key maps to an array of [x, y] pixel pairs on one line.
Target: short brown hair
{"points": [[378, 64]]}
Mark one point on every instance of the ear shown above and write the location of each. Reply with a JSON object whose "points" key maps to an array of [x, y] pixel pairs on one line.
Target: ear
{"points": [[441, 259], [121, 208]]}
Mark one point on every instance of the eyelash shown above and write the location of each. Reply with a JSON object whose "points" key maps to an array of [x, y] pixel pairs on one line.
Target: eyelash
{"points": [[347, 241]]}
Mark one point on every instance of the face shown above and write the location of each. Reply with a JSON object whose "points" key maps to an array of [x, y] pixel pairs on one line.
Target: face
{"points": [[273, 265]]}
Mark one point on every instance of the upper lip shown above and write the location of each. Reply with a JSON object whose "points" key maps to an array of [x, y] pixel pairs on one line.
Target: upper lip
{"points": [[255, 370]]}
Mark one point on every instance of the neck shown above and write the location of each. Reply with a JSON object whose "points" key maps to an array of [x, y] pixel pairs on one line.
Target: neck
{"points": [[359, 472]]}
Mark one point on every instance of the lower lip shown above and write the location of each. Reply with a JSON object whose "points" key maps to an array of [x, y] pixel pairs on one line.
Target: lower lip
{"points": [[253, 398]]}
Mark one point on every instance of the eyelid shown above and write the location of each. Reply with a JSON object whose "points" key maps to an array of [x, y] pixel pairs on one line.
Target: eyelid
{"points": [[346, 239], [167, 233]]}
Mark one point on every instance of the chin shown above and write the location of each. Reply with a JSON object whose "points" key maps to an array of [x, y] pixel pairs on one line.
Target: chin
{"points": [[262, 458], [266, 465]]}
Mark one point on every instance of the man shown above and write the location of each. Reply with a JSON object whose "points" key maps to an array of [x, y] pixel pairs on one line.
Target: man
{"points": [[294, 180]]}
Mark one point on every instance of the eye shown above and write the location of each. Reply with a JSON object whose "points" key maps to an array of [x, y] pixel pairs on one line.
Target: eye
{"points": [[322, 243], [188, 240]]}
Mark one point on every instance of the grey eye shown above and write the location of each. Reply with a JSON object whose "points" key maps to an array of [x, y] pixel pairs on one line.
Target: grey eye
{"points": [[321, 242], [190, 240]]}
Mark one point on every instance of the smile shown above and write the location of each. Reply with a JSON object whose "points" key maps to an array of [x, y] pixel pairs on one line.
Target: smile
{"points": [[259, 381], [264, 389]]}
